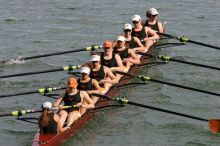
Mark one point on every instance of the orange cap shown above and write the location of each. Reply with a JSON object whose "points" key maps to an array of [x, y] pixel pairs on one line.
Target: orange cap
{"points": [[107, 44], [72, 82]]}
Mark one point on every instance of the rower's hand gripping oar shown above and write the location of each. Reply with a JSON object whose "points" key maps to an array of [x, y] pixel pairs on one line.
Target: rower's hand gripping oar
{"points": [[19, 113], [90, 48], [41, 90], [146, 78], [186, 39], [68, 68], [214, 124]]}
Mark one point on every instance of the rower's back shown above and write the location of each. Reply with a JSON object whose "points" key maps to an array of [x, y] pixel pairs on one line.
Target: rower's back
{"points": [[46, 121]]}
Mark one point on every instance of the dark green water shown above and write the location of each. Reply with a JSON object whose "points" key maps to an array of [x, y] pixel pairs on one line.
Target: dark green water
{"points": [[30, 27]]}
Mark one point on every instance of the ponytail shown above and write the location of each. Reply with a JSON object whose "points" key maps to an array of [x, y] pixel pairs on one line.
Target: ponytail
{"points": [[44, 119]]}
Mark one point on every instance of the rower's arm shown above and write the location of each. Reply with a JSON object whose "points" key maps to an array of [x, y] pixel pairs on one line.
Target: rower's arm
{"points": [[110, 74], [161, 27], [132, 53], [97, 89], [59, 125], [118, 60], [58, 101], [134, 56], [152, 33], [86, 97], [96, 85], [138, 42]]}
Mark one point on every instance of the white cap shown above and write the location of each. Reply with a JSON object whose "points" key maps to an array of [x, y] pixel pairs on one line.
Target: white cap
{"points": [[136, 18], [127, 26], [47, 105], [152, 11], [85, 70], [95, 58], [121, 38]]}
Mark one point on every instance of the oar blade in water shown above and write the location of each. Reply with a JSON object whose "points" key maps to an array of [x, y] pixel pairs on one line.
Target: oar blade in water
{"points": [[214, 125]]}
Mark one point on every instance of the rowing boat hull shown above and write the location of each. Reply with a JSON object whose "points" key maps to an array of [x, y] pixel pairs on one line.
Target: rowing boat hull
{"points": [[56, 140]]}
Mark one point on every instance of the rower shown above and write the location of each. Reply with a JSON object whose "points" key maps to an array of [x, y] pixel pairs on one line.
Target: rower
{"points": [[49, 122], [131, 41], [110, 59], [85, 83], [153, 21], [102, 74], [147, 36], [72, 97], [128, 56]]}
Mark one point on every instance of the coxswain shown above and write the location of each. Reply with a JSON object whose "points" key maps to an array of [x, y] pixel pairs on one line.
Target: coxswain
{"points": [[85, 83], [128, 56], [102, 74], [72, 97], [49, 122], [147, 36], [153, 21]]}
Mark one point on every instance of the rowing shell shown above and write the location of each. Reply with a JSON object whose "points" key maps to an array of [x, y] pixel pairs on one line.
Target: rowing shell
{"points": [[57, 139]]}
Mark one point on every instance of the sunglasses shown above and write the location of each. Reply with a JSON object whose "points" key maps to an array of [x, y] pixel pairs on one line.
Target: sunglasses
{"points": [[135, 22], [127, 30], [95, 61]]}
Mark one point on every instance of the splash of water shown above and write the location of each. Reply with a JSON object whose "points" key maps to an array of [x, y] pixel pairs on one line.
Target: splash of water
{"points": [[19, 60]]}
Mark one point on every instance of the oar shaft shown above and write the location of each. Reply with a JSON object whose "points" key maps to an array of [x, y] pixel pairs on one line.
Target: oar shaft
{"points": [[30, 92], [203, 44], [31, 73], [190, 41], [184, 87], [53, 54], [167, 111], [20, 113], [125, 101], [195, 64], [91, 48], [18, 94]]}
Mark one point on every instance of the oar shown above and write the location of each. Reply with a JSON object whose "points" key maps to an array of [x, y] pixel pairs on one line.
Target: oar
{"points": [[168, 58], [19, 113], [168, 45], [186, 39], [91, 48], [41, 90], [151, 63], [146, 78], [214, 124], [65, 68]]}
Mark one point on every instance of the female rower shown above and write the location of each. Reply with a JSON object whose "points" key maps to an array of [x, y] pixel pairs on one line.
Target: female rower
{"points": [[147, 36], [152, 20], [110, 59], [127, 55], [49, 122], [72, 97], [85, 83], [131, 41], [102, 73]]}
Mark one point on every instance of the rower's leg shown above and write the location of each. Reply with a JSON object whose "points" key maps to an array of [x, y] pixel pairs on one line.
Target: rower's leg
{"points": [[63, 115], [149, 43], [94, 99], [72, 117], [83, 109]]}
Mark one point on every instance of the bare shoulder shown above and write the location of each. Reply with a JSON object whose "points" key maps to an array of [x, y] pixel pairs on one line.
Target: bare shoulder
{"points": [[94, 81]]}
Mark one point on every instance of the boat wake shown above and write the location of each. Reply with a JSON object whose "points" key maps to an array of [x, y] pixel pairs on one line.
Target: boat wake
{"points": [[19, 60]]}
